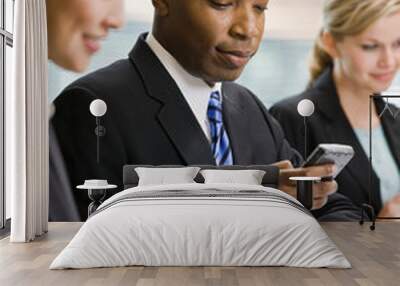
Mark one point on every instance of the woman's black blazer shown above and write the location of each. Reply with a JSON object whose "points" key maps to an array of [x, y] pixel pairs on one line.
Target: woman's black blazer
{"points": [[329, 124]]}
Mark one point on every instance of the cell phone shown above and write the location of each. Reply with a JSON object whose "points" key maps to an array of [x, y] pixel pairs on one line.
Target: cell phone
{"points": [[337, 154]]}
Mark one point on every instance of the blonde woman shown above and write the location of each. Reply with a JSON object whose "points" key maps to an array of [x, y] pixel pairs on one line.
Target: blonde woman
{"points": [[356, 54], [77, 27]]}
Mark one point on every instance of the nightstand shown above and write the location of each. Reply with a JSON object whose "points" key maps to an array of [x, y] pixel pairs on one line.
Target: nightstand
{"points": [[96, 191]]}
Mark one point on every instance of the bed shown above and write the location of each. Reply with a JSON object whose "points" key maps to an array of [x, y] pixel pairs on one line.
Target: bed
{"points": [[200, 224]]}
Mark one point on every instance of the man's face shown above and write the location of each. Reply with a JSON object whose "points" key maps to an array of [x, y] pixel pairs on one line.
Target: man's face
{"points": [[214, 39]]}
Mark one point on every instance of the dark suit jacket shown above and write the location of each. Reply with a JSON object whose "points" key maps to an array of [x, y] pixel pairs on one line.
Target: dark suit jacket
{"points": [[149, 122], [329, 124], [62, 205]]}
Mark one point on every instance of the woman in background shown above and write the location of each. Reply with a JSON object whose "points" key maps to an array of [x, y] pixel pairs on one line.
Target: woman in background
{"points": [[356, 54], [76, 28]]}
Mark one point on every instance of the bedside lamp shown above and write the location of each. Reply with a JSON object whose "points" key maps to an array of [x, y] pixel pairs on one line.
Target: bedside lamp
{"points": [[305, 184], [305, 108], [98, 108]]}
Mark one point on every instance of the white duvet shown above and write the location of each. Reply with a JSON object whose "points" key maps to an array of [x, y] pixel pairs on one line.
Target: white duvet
{"points": [[210, 230]]}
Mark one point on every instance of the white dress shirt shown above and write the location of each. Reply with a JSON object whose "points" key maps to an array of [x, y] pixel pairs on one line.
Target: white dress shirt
{"points": [[195, 90]]}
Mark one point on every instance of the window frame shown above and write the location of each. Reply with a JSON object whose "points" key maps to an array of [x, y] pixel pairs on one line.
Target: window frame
{"points": [[6, 39]]}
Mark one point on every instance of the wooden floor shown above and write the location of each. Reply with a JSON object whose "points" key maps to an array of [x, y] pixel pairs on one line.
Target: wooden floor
{"points": [[375, 257]]}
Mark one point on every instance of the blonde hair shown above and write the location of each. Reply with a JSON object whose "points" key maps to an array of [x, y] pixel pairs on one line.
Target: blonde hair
{"points": [[347, 18]]}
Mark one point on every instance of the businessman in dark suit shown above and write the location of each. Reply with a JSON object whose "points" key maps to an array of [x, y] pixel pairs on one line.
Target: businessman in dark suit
{"points": [[158, 100]]}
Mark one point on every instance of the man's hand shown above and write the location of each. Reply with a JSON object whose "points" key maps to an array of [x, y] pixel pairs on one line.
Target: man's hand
{"points": [[321, 190], [391, 208]]}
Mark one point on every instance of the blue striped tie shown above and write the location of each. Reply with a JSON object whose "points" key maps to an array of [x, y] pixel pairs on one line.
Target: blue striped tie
{"points": [[219, 138]]}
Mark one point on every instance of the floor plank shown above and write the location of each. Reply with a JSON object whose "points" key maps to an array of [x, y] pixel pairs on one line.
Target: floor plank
{"points": [[375, 257]]}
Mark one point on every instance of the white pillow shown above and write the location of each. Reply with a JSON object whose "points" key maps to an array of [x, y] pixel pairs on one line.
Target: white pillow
{"points": [[248, 177], [165, 176]]}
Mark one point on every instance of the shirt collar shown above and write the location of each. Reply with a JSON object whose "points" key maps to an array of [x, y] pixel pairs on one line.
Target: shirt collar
{"points": [[187, 83]]}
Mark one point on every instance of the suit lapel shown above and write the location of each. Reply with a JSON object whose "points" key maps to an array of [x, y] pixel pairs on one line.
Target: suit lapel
{"points": [[339, 130], [175, 116], [235, 126]]}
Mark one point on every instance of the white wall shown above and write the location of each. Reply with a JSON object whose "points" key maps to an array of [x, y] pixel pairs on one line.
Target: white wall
{"points": [[293, 19], [139, 10]]}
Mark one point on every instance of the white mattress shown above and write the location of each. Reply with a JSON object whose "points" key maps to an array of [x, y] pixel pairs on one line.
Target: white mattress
{"points": [[210, 230]]}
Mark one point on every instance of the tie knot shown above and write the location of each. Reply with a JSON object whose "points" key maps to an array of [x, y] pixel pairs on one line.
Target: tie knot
{"points": [[214, 110], [215, 97]]}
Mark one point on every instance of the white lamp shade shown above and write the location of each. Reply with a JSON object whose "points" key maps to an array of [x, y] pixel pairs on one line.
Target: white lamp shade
{"points": [[305, 107], [98, 107]]}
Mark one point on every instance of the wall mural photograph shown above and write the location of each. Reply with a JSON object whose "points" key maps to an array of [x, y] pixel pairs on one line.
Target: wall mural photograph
{"points": [[178, 138]]}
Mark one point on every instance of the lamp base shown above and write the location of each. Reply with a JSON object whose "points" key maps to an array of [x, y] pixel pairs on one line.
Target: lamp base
{"points": [[97, 196]]}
